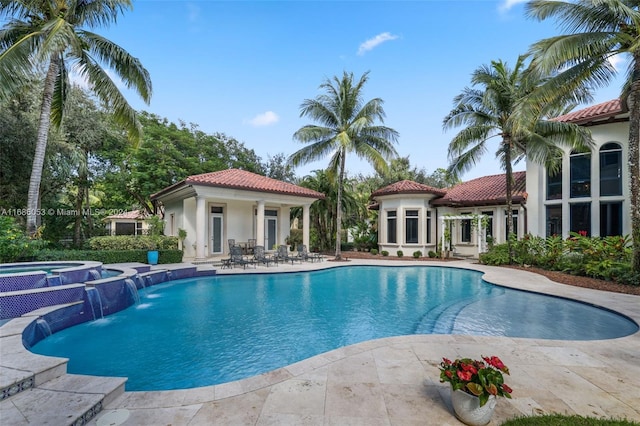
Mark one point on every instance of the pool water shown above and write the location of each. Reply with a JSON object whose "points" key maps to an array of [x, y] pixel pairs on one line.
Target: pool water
{"points": [[205, 331]]}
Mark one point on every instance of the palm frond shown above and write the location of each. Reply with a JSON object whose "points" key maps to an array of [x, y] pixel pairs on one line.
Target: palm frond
{"points": [[127, 67]]}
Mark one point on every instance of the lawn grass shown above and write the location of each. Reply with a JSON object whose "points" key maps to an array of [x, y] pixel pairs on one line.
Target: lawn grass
{"points": [[562, 420]]}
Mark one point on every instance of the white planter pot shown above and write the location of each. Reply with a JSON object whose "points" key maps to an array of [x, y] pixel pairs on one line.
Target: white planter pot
{"points": [[468, 410]]}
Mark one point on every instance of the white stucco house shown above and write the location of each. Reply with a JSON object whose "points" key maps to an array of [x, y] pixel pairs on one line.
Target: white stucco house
{"points": [[232, 204], [412, 215], [134, 222], [590, 195]]}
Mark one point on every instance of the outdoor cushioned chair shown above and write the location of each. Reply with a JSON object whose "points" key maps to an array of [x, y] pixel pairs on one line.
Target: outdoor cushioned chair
{"points": [[283, 254], [237, 258], [260, 257]]}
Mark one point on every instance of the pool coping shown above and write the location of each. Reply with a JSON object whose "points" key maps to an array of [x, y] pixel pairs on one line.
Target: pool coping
{"points": [[546, 355]]}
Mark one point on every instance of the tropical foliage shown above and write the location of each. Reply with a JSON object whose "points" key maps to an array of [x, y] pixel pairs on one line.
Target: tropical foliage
{"points": [[596, 31], [323, 212], [57, 36], [607, 258], [346, 125], [504, 105]]}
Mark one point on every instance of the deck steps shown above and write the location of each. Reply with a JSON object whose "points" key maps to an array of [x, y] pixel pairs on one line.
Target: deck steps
{"points": [[67, 400]]}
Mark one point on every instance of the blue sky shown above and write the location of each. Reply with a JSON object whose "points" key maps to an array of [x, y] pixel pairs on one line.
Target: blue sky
{"points": [[244, 67]]}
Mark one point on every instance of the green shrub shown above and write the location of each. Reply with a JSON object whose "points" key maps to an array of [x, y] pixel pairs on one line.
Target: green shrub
{"points": [[417, 254], [134, 242], [400, 253], [14, 243], [571, 263], [105, 256], [384, 253], [294, 238], [497, 255], [432, 254], [374, 252], [347, 246]]}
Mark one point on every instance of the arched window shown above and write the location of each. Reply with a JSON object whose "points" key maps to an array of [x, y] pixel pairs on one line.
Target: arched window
{"points": [[580, 169], [611, 169]]}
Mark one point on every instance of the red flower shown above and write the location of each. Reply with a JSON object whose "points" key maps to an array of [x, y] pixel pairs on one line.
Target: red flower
{"points": [[495, 362], [464, 375], [506, 388], [469, 368]]}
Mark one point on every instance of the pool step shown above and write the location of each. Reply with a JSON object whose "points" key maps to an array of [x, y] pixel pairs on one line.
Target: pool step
{"points": [[67, 400]]}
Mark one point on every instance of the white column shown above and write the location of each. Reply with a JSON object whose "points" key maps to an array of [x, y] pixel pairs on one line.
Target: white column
{"points": [[479, 234], [260, 241], [201, 227], [305, 226], [442, 224]]}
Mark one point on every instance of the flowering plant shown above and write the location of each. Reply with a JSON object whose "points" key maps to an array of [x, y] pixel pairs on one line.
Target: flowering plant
{"points": [[479, 378]]}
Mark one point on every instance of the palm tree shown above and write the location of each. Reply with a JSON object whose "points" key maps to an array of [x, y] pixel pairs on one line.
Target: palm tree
{"points": [[323, 212], [55, 34], [506, 107], [347, 124], [598, 30]]}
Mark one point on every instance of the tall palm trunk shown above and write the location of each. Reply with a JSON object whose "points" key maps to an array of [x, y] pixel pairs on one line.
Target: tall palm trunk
{"points": [[33, 196], [339, 208], [509, 177], [634, 162], [77, 227]]}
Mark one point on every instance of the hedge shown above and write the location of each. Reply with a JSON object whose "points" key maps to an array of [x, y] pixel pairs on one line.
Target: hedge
{"points": [[134, 242], [106, 256]]}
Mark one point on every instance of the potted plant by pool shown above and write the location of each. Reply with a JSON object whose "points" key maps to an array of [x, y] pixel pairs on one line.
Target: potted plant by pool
{"points": [[156, 230], [475, 384]]}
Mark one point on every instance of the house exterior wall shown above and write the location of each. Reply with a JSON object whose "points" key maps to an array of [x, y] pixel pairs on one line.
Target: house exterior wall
{"points": [[138, 226], [539, 201], [177, 209], [239, 216], [404, 205], [401, 203]]}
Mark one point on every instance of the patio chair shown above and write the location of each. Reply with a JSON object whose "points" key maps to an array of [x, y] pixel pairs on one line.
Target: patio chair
{"points": [[260, 257], [283, 254], [251, 244], [232, 242], [237, 258], [303, 254]]}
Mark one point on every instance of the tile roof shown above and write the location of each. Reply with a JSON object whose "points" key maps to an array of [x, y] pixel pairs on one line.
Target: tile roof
{"points": [[408, 187], [601, 111], [242, 179], [485, 190], [133, 214]]}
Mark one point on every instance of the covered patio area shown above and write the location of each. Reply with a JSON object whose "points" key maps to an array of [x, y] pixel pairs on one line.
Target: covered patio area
{"points": [[232, 204]]}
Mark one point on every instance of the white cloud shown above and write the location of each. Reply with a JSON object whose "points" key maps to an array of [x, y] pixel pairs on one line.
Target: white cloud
{"points": [[506, 5], [265, 119], [375, 41]]}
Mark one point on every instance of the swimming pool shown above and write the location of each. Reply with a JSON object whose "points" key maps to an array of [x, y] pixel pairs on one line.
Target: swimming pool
{"points": [[198, 332]]}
